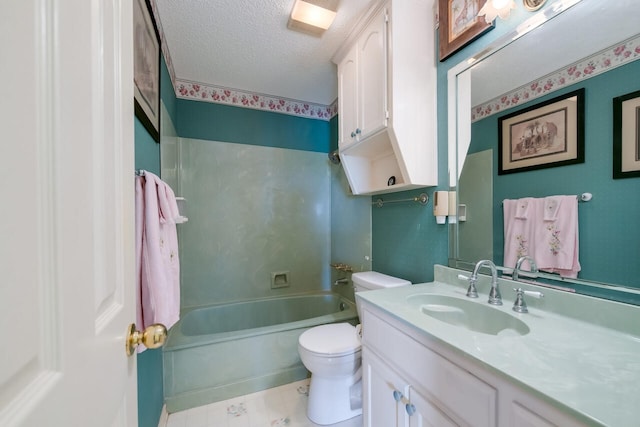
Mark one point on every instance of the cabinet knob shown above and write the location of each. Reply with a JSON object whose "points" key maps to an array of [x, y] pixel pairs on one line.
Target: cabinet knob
{"points": [[397, 396], [410, 408], [353, 134], [358, 131]]}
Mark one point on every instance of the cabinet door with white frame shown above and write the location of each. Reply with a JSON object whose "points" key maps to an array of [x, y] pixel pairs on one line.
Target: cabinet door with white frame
{"points": [[384, 392], [422, 413], [391, 401], [372, 77], [348, 98]]}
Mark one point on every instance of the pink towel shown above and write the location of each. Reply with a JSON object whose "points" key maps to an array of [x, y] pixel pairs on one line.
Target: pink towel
{"points": [[545, 229], [556, 236], [158, 264]]}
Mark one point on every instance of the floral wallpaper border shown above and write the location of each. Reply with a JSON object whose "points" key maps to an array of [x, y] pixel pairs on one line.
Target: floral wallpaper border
{"points": [[601, 62], [240, 98]]}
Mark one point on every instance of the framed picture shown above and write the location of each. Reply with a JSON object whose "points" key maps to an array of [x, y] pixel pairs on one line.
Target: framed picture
{"points": [[626, 136], [548, 134], [146, 68], [459, 24]]}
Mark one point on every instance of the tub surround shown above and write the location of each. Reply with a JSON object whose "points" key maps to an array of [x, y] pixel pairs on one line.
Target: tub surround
{"points": [[253, 210], [203, 366], [580, 355]]}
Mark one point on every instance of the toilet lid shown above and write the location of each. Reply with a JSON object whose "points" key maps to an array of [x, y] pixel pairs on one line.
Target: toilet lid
{"points": [[334, 339]]}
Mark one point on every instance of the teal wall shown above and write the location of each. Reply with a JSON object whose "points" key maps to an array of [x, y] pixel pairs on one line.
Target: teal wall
{"points": [[217, 122], [147, 157], [608, 244], [150, 392]]}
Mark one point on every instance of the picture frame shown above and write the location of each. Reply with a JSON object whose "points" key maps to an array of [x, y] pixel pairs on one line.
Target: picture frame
{"points": [[547, 134], [459, 25], [146, 68], [626, 136]]}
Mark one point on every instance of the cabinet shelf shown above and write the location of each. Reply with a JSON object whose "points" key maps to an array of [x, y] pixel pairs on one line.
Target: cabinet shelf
{"points": [[370, 164]]}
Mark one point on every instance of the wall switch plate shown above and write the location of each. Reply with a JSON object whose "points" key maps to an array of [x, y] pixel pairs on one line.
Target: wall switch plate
{"points": [[280, 279]]}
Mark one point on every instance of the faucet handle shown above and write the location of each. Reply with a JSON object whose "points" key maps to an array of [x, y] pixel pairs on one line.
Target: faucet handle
{"points": [[535, 294], [519, 305], [472, 292]]}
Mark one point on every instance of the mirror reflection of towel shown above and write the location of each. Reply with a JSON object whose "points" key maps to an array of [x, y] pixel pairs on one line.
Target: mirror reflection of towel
{"points": [[522, 207], [551, 206], [545, 229]]}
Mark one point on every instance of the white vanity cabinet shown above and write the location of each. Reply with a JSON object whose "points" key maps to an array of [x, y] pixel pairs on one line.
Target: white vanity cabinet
{"points": [[387, 99], [441, 387]]}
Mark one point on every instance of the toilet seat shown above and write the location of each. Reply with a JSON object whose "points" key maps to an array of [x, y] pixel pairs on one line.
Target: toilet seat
{"points": [[336, 339]]}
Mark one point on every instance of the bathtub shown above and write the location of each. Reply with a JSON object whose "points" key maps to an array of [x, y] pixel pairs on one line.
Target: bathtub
{"points": [[218, 352]]}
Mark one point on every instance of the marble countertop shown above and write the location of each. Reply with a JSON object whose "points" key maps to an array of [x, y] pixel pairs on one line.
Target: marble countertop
{"points": [[582, 354]]}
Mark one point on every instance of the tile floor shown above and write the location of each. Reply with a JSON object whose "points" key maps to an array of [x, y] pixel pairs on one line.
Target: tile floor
{"points": [[276, 407]]}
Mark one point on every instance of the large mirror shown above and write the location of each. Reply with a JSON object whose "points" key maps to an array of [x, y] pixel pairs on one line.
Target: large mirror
{"points": [[480, 92]]}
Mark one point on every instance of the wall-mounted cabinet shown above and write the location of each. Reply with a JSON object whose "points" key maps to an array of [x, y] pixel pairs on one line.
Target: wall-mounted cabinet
{"points": [[387, 99]]}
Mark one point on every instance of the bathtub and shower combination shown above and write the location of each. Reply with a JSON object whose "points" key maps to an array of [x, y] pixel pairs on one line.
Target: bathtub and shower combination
{"points": [[222, 351]]}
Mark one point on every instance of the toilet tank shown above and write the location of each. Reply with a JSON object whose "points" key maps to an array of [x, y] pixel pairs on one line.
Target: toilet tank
{"points": [[369, 280]]}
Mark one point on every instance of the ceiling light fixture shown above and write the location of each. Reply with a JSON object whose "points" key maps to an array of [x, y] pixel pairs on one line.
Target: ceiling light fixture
{"points": [[493, 8], [312, 16]]}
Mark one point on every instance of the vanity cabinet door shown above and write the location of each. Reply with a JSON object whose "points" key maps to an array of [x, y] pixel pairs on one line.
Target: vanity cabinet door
{"points": [[391, 401], [525, 410], [426, 413], [383, 393], [523, 417]]}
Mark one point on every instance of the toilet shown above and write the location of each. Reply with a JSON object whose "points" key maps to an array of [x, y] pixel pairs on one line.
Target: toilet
{"points": [[332, 354]]}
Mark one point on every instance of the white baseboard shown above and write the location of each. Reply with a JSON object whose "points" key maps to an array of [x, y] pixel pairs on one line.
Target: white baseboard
{"points": [[164, 417]]}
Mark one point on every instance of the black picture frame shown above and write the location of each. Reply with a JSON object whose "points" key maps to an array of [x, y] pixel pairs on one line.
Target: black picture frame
{"points": [[626, 136], [146, 68], [547, 134]]}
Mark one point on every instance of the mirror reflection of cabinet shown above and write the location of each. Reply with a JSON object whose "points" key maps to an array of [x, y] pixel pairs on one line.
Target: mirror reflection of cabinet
{"points": [[387, 99]]}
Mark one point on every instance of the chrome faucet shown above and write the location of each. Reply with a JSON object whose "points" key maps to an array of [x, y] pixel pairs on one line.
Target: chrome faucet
{"points": [[533, 267], [494, 294], [519, 306], [343, 281]]}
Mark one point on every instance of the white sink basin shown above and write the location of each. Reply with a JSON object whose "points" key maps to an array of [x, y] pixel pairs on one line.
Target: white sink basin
{"points": [[473, 315]]}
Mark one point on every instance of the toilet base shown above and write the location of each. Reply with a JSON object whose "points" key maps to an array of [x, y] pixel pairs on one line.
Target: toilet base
{"points": [[331, 399]]}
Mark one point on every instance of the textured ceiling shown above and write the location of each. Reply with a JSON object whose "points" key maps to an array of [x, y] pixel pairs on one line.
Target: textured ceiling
{"points": [[245, 45]]}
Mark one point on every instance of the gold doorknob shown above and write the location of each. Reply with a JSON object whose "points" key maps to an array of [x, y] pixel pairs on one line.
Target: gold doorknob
{"points": [[152, 337]]}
